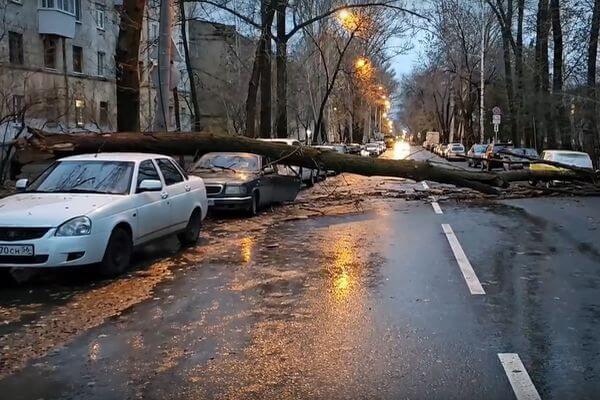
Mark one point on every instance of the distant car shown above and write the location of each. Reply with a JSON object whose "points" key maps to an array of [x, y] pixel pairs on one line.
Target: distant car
{"points": [[354, 148], [455, 151], [93, 209], [516, 162], [493, 157], [373, 149], [309, 176], [475, 154], [244, 181]]}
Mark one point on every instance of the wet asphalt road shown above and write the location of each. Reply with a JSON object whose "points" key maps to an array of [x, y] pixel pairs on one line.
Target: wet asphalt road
{"points": [[372, 305]]}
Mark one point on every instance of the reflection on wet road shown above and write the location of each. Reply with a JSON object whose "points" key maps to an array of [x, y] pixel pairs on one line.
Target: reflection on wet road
{"points": [[371, 305]]}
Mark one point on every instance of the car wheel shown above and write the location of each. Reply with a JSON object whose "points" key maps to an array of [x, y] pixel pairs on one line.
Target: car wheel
{"points": [[253, 208], [189, 237], [117, 255]]}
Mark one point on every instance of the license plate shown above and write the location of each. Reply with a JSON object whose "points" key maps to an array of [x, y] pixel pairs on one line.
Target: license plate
{"points": [[211, 202], [23, 250]]}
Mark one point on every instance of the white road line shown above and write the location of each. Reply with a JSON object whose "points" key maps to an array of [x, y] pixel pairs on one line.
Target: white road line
{"points": [[436, 205], [518, 377], [425, 185], [463, 262]]}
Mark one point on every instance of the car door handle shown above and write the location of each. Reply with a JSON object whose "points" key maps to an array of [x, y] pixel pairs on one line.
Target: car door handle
{"points": [[188, 188], [164, 195]]}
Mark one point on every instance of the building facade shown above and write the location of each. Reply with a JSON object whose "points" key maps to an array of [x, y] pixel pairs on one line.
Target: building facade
{"points": [[57, 66]]}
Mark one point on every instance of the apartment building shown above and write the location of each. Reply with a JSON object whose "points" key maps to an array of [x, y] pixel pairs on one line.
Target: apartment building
{"points": [[57, 66]]}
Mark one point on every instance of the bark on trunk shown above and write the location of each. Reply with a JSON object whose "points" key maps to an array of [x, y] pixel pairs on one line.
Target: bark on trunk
{"points": [[265, 66], [127, 54], [561, 122], [268, 14], [519, 70], [541, 72], [281, 104], [188, 66], [590, 134], [44, 147]]}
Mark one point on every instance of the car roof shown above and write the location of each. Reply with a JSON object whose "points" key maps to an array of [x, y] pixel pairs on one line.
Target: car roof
{"points": [[282, 140], [565, 152], [237, 153], [132, 157]]}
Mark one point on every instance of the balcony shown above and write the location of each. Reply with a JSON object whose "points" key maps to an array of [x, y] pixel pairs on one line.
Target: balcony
{"points": [[53, 20]]}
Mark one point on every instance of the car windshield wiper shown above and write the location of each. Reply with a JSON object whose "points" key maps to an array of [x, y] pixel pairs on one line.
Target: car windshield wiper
{"points": [[224, 167], [92, 178]]}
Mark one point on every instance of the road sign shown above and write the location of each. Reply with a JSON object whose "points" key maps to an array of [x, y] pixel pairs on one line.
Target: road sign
{"points": [[496, 111], [496, 119]]}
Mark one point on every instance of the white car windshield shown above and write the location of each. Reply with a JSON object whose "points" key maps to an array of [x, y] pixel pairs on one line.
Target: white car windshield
{"points": [[106, 177], [574, 159], [234, 162]]}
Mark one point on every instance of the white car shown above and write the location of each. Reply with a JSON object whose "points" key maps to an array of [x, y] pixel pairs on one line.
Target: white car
{"points": [[94, 209]]}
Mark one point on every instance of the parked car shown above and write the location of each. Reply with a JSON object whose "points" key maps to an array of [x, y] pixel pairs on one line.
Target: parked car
{"points": [[382, 146], [340, 148], [373, 149], [93, 209], [309, 176], [354, 148], [571, 158], [440, 149], [455, 151], [244, 181], [513, 161], [475, 154], [493, 155]]}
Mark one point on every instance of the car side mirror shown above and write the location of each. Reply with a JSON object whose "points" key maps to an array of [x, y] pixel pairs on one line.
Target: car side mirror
{"points": [[21, 185], [268, 170], [149, 185]]}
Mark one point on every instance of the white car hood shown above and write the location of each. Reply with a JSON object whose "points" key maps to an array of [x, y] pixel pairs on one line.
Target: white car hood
{"points": [[49, 209]]}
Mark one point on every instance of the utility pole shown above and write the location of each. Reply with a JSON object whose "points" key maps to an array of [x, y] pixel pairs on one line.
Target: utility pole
{"points": [[161, 120], [482, 79]]}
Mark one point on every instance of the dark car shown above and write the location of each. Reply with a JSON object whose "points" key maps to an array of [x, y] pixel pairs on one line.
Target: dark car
{"points": [[519, 162], [475, 154], [354, 148], [245, 181], [493, 157]]}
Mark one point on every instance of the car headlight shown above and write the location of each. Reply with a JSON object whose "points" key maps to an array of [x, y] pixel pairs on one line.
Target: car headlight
{"points": [[235, 189], [80, 226]]}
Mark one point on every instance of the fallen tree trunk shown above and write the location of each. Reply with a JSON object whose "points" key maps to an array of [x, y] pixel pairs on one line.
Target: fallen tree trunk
{"points": [[42, 146]]}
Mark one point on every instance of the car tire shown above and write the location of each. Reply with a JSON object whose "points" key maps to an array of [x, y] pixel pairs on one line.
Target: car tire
{"points": [[254, 205], [117, 255], [190, 236]]}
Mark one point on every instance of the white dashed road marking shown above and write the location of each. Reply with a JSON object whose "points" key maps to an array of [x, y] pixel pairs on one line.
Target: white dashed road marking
{"points": [[518, 377], [436, 206], [463, 262]]}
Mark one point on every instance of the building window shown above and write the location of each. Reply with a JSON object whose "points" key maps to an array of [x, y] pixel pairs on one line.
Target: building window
{"points": [[15, 48], [79, 109], [50, 52], [78, 10], [67, 6], [18, 104], [99, 17], [103, 117], [101, 57], [77, 59]]}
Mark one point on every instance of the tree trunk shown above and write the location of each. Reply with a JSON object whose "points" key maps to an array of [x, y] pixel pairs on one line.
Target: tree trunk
{"points": [[561, 122], [541, 72], [265, 71], [519, 71], [506, 28], [590, 134], [188, 66], [281, 104], [44, 147], [126, 58], [268, 14]]}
